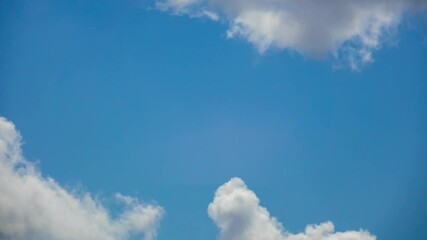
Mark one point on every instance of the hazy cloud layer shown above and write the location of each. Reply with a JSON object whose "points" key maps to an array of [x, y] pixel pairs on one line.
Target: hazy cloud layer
{"points": [[349, 30], [34, 207], [237, 212]]}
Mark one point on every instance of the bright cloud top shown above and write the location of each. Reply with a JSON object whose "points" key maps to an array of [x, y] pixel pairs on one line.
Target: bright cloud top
{"points": [[34, 207], [349, 30], [237, 212]]}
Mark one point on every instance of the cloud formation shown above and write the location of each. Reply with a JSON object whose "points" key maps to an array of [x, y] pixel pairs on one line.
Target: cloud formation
{"points": [[349, 30], [34, 207], [236, 210]]}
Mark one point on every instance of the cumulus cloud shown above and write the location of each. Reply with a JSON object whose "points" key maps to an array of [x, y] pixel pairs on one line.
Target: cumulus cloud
{"points": [[35, 207], [236, 210], [349, 30]]}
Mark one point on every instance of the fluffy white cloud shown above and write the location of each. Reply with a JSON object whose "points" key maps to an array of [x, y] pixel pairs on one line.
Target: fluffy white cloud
{"points": [[237, 212], [34, 207], [349, 30]]}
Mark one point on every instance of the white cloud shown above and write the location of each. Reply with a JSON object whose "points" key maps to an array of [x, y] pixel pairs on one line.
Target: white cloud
{"points": [[34, 207], [237, 212], [349, 30]]}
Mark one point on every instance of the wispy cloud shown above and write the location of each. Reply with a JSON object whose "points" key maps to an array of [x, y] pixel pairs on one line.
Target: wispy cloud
{"points": [[347, 30], [236, 210], [36, 207]]}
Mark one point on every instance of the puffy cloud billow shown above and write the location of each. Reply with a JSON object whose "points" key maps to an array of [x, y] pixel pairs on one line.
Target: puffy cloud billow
{"points": [[349, 30], [237, 212], [34, 207]]}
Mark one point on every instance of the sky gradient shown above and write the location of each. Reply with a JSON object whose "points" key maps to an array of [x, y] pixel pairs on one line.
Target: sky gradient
{"points": [[121, 96]]}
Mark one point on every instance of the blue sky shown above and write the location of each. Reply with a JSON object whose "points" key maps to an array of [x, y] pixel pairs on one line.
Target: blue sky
{"points": [[118, 96]]}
